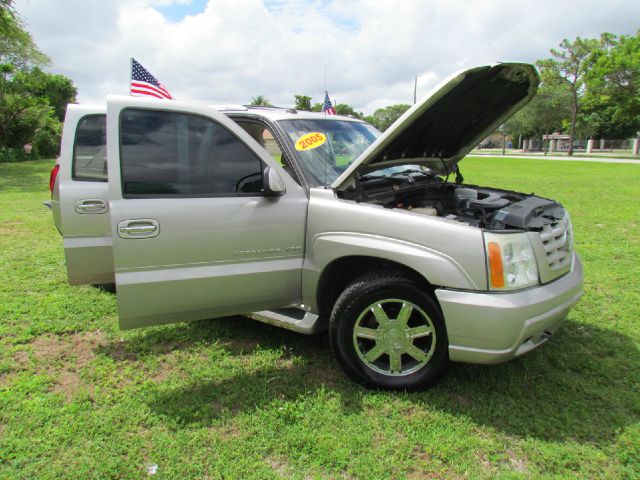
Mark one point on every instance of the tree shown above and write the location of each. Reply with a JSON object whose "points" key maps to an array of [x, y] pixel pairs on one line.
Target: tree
{"points": [[21, 113], [57, 89], [542, 115], [569, 68], [341, 109], [32, 105], [602, 122], [303, 103], [347, 110], [261, 100], [7, 15], [16, 44], [32, 102], [612, 100], [382, 118]]}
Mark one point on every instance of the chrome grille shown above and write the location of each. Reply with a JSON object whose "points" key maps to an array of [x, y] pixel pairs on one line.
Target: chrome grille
{"points": [[557, 242]]}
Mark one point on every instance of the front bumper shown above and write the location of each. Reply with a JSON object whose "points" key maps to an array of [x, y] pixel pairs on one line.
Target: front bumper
{"points": [[496, 327]]}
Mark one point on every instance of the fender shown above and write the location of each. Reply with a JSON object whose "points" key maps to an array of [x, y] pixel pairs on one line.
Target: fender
{"points": [[324, 248]]}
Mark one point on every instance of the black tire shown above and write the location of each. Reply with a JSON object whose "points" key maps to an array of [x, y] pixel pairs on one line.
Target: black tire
{"points": [[359, 306]]}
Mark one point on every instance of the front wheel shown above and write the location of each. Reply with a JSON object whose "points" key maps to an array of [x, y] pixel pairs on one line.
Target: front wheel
{"points": [[387, 332]]}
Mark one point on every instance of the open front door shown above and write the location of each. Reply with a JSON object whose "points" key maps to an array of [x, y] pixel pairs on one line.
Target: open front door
{"points": [[194, 236]]}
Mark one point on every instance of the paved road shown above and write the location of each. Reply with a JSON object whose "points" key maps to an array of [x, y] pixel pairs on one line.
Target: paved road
{"points": [[562, 159]]}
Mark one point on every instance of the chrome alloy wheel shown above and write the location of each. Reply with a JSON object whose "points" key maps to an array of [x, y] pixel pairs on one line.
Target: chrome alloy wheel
{"points": [[394, 337]]}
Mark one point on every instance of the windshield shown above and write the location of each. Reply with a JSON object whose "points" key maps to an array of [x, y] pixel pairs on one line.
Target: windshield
{"points": [[325, 148]]}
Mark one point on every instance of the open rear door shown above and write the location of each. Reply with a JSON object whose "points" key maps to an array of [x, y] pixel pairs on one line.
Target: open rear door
{"points": [[194, 236], [80, 201]]}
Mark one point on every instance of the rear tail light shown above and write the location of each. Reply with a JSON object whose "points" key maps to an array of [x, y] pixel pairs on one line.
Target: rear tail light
{"points": [[52, 177]]}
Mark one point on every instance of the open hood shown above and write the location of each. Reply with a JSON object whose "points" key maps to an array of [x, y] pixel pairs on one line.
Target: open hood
{"points": [[452, 119]]}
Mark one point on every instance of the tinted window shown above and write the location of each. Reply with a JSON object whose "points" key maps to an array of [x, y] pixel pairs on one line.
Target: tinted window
{"points": [[170, 153], [90, 149]]}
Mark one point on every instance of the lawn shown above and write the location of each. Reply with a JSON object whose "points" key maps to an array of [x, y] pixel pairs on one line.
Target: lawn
{"points": [[232, 398]]}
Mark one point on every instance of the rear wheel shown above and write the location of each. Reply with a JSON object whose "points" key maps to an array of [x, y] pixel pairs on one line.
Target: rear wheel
{"points": [[387, 332]]}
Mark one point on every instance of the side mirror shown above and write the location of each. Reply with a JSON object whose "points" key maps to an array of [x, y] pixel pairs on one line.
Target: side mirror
{"points": [[272, 183]]}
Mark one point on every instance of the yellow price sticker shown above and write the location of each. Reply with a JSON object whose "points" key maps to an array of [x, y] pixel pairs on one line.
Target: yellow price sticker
{"points": [[310, 141]]}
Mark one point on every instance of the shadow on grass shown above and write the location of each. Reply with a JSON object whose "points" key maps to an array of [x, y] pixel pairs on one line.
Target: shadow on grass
{"points": [[582, 385]]}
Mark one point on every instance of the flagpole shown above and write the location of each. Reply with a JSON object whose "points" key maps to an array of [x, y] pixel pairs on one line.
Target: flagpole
{"points": [[324, 125], [325, 89]]}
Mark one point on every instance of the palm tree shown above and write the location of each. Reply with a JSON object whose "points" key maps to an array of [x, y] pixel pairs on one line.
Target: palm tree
{"points": [[261, 100]]}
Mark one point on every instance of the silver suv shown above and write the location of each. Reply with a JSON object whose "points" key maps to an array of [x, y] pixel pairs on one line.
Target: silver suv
{"points": [[315, 223]]}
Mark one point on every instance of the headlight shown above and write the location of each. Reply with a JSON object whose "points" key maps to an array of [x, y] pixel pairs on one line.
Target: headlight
{"points": [[569, 229], [511, 262]]}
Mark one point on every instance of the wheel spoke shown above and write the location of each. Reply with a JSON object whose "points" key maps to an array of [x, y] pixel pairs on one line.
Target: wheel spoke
{"points": [[421, 331], [380, 315], [393, 336], [395, 362], [416, 353], [373, 354], [363, 332], [405, 313]]}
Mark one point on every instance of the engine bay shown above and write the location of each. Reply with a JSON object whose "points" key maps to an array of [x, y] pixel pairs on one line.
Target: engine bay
{"points": [[482, 207]]}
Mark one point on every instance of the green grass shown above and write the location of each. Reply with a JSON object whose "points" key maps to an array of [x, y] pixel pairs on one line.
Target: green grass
{"points": [[231, 398]]}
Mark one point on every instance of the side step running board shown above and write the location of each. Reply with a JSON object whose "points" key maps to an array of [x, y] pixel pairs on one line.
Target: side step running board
{"points": [[294, 319]]}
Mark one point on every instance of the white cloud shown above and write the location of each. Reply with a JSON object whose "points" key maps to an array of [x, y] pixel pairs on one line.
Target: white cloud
{"points": [[372, 49]]}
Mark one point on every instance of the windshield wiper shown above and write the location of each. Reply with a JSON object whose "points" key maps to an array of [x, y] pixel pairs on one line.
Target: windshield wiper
{"points": [[371, 177]]}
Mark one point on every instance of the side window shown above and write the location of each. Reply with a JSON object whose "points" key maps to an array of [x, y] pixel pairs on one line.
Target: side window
{"points": [[271, 146], [263, 135], [90, 149], [170, 153]]}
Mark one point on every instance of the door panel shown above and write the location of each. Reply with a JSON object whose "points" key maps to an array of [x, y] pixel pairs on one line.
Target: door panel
{"points": [[189, 255], [82, 200]]}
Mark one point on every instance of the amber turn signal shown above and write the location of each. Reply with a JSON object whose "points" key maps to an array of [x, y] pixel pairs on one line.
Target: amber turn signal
{"points": [[495, 265]]}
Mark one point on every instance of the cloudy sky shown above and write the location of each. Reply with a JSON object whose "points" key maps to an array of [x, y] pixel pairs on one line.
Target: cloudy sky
{"points": [[226, 51]]}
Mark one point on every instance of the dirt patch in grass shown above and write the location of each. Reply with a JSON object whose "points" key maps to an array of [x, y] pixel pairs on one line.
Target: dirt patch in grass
{"points": [[6, 379], [227, 432], [421, 462], [63, 356], [461, 400], [237, 346], [118, 351], [67, 383], [517, 464], [21, 359], [9, 227], [168, 365], [48, 348], [281, 467]]}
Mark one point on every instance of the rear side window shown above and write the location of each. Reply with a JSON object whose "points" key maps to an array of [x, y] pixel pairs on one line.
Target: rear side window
{"points": [[90, 149], [178, 154]]}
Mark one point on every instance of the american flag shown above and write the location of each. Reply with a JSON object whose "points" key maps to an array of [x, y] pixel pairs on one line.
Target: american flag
{"points": [[326, 106], [143, 83]]}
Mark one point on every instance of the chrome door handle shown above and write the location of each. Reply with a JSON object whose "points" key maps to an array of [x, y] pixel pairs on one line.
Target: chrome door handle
{"points": [[142, 228], [92, 205]]}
